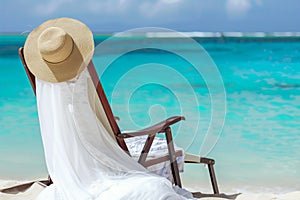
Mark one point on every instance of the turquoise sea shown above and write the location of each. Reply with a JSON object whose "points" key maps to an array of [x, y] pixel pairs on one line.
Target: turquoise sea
{"points": [[259, 144]]}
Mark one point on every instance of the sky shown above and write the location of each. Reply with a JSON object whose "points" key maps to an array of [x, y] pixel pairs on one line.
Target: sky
{"points": [[108, 16]]}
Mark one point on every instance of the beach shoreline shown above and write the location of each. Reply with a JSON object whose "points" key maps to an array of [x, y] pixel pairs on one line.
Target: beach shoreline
{"points": [[35, 189]]}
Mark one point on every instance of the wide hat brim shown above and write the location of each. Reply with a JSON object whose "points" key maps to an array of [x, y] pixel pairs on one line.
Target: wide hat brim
{"points": [[71, 67]]}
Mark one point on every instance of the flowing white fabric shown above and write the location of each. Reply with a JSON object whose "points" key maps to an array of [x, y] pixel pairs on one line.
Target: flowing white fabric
{"points": [[82, 160]]}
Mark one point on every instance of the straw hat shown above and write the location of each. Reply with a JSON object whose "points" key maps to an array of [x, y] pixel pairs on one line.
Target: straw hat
{"points": [[59, 49]]}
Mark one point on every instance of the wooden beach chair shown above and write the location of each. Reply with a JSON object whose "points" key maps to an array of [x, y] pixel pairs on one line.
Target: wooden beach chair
{"points": [[150, 132]]}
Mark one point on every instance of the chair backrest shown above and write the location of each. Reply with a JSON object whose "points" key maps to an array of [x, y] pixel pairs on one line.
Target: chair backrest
{"points": [[102, 107]]}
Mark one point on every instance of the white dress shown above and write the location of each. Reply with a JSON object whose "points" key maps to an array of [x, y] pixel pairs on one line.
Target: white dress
{"points": [[83, 162]]}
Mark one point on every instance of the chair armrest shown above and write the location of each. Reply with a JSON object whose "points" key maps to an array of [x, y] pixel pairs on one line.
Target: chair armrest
{"points": [[156, 128], [191, 158]]}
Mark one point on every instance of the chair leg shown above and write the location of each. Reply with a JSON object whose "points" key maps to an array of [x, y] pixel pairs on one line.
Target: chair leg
{"points": [[146, 149], [210, 163], [213, 178], [173, 162], [49, 181]]}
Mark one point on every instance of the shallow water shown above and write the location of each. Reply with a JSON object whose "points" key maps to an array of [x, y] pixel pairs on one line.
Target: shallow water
{"points": [[259, 144]]}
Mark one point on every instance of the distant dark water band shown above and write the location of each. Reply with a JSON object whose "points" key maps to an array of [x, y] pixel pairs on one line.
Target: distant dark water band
{"points": [[9, 44]]}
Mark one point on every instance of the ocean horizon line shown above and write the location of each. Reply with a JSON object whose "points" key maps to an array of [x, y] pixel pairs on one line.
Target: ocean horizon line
{"points": [[174, 34]]}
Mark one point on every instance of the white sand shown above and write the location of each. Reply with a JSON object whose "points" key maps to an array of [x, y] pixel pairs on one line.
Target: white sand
{"points": [[35, 189], [287, 196], [31, 193]]}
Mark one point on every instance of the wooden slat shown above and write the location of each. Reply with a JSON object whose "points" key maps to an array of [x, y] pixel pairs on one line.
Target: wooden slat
{"points": [[172, 157], [106, 106], [146, 149], [191, 158], [154, 161], [31, 77]]}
